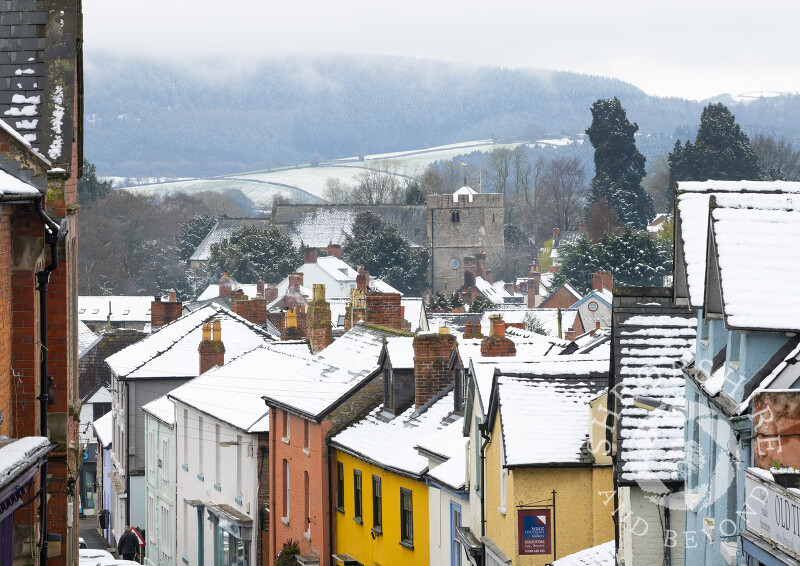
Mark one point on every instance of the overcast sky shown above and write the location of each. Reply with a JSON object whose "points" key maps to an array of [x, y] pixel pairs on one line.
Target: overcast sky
{"points": [[694, 49]]}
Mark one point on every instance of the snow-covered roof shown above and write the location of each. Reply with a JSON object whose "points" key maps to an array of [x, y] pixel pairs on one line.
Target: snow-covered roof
{"points": [[102, 429], [172, 351], [758, 235], [382, 286], [19, 454], [600, 555], [464, 191], [413, 311], [336, 268], [212, 291], [391, 444], [448, 443], [86, 339], [310, 385], [692, 207], [604, 296], [162, 408], [401, 351], [124, 308], [10, 185], [547, 317], [556, 408], [222, 230], [650, 338], [495, 292]]}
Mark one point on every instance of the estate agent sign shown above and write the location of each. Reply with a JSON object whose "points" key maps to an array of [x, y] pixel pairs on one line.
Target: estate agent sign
{"points": [[535, 529], [773, 513]]}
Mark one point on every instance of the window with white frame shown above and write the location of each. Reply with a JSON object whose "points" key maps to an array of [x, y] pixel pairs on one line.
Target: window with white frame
{"points": [[151, 455], [286, 423], [166, 531], [164, 458], [217, 457], [186, 438], [151, 519], [286, 490], [503, 477], [239, 465], [200, 445]]}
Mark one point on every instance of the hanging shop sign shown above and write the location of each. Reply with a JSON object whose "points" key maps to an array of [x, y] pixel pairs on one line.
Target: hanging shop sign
{"points": [[773, 513], [535, 528]]}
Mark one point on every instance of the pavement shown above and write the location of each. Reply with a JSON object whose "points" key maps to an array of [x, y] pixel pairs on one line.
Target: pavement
{"points": [[89, 532]]}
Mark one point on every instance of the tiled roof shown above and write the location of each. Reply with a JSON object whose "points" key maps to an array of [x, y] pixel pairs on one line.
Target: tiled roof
{"points": [[692, 203], [758, 234], [172, 351], [649, 338], [391, 442]]}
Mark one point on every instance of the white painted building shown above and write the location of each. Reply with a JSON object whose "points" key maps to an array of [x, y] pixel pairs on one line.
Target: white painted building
{"points": [[159, 475]]}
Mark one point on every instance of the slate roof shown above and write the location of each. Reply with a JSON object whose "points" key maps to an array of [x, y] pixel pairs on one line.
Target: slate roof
{"points": [[102, 429], [691, 228], [18, 455], [649, 336], [757, 234], [555, 407], [124, 308], [172, 351], [391, 443], [600, 555], [86, 339]]}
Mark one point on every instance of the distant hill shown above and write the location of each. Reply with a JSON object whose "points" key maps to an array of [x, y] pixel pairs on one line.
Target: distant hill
{"points": [[148, 119]]}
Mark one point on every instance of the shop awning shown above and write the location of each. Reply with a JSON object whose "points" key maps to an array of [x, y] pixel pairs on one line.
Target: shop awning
{"points": [[232, 520], [755, 547]]}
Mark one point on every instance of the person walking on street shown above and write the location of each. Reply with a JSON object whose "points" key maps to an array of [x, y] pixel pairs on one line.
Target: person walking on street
{"points": [[128, 544]]}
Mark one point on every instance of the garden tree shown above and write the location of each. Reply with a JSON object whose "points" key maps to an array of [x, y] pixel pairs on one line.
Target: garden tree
{"points": [[378, 185], [619, 166], [721, 151], [90, 188], [480, 304], [414, 193], [562, 192], [192, 233], [667, 231], [386, 254], [657, 184], [130, 245], [253, 253], [336, 192], [777, 158], [601, 219], [455, 300], [438, 302], [533, 324], [635, 259]]}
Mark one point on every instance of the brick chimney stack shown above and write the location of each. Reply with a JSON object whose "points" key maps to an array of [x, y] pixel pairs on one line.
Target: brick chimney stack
{"points": [[334, 250], [534, 281], [496, 344], [362, 279], [432, 364], [270, 293], [310, 255], [211, 349], [602, 279], [318, 320], [163, 312], [469, 271], [293, 296], [260, 288], [294, 325], [480, 264], [384, 309], [225, 285], [253, 310], [556, 232]]}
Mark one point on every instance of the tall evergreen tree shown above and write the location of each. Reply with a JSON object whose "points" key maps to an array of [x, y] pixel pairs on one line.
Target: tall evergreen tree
{"points": [[619, 166], [721, 151], [90, 188]]}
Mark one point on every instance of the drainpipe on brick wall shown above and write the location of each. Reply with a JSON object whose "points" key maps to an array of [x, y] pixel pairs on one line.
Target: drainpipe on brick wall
{"points": [[53, 233]]}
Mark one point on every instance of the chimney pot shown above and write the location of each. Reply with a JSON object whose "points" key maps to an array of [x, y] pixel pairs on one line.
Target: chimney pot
{"points": [[310, 255], [480, 264], [334, 250], [225, 285], [444, 330], [173, 296], [211, 349], [260, 288], [362, 279]]}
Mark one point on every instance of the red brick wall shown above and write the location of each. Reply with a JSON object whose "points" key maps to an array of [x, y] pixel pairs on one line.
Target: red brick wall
{"points": [[212, 353], [497, 346], [384, 309], [431, 365], [6, 428], [164, 312], [318, 325], [315, 463], [561, 299], [254, 310], [776, 428]]}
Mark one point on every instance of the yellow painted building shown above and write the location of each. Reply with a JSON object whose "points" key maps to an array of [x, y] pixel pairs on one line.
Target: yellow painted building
{"points": [[380, 543], [583, 483]]}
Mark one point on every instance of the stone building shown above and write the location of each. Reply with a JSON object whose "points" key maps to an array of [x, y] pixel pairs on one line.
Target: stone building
{"points": [[458, 224]]}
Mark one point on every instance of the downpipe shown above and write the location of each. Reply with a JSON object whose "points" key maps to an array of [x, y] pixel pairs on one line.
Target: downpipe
{"points": [[53, 233]]}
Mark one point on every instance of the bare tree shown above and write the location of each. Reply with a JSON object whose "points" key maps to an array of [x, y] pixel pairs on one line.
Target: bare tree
{"points": [[498, 168], [601, 219], [563, 192], [431, 181], [777, 158], [657, 184], [379, 185], [336, 192]]}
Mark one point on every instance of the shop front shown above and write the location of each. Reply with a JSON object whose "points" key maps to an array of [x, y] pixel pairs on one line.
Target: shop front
{"points": [[772, 537], [22, 464], [233, 536], [88, 476]]}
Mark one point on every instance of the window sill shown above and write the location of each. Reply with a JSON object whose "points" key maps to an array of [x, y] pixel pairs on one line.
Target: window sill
{"points": [[358, 520], [185, 467], [307, 452], [185, 559], [218, 487], [285, 520], [502, 509], [201, 477], [307, 535], [285, 440], [704, 342], [406, 544], [734, 365], [378, 531], [340, 509], [238, 499]]}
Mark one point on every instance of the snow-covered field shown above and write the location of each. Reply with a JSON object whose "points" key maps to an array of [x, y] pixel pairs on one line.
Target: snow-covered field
{"points": [[306, 184]]}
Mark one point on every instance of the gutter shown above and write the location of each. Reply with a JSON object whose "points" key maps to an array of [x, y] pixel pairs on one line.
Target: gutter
{"points": [[53, 234]]}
